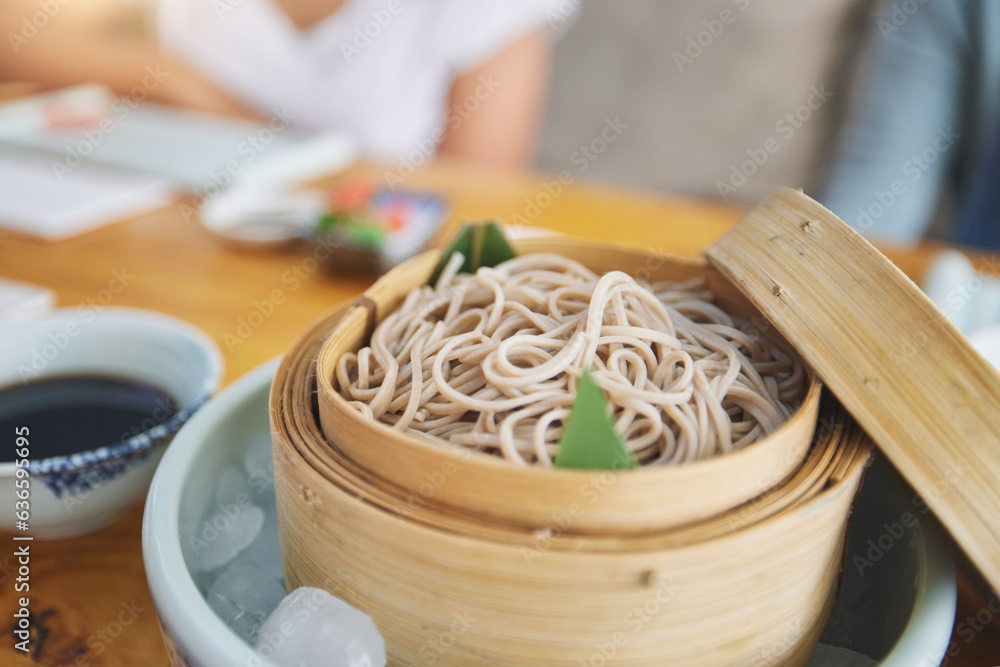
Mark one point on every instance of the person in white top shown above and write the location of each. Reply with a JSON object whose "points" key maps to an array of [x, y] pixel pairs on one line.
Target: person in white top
{"points": [[465, 78]]}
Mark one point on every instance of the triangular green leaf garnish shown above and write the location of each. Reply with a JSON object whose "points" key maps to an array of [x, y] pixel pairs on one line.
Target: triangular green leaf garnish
{"points": [[590, 441], [462, 242], [494, 248], [481, 244]]}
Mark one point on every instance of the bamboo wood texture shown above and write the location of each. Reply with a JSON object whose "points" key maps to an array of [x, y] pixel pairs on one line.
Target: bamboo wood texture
{"points": [[180, 269], [907, 375], [753, 584], [655, 497]]}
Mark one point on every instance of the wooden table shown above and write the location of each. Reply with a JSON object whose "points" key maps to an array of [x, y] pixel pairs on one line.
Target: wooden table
{"points": [[84, 589]]}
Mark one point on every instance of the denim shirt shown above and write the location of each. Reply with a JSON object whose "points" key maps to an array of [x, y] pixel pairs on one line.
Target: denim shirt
{"points": [[925, 119]]}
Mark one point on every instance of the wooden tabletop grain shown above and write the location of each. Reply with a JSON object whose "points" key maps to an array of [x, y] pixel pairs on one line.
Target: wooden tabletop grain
{"points": [[90, 601]]}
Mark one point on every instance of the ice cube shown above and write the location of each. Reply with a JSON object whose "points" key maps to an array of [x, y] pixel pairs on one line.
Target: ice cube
{"points": [[832, 656], [244, 622], [242, 582], [259, 466], [230, 485], [203, 580], [225, 534], [311, 628], [265, 551]]}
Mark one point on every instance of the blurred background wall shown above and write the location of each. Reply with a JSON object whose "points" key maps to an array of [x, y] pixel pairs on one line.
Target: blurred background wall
{"points": [[699, 84]]}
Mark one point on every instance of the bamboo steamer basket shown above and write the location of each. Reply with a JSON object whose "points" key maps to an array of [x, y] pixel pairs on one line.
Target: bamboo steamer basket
{"points": [[538, 497], [750, 586], [726, 562], [463, 559]]}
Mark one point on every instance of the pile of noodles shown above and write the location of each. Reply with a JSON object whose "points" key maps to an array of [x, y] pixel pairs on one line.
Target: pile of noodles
{"points": [[490, 361]]}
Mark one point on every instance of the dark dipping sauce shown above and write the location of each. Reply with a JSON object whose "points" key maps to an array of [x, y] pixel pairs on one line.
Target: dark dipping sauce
{"points": [[72, 414]]}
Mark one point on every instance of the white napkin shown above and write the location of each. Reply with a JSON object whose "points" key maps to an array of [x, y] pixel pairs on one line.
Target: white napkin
{"points": [[23, 301]]}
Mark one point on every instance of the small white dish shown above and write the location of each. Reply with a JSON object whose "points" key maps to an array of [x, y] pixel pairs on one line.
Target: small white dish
{"points": [[951, 283], [987, 343], [79, 493], [985, 310], [263, 216]]}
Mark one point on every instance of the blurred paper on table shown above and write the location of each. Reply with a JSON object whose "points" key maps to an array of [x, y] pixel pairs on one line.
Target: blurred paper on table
{"points": [[199, 152], [36, 202]]}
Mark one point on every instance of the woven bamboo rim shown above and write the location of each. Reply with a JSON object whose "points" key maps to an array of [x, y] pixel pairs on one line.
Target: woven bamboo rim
{"points": [[751, 586], [653, 498]]}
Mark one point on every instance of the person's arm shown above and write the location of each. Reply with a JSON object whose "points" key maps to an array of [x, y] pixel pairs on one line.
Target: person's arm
{"points": [[495, 109], [904, 130], [70, 49]]}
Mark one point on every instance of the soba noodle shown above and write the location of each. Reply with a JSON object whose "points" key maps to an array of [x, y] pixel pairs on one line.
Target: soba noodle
{"points": [[489, 361]]}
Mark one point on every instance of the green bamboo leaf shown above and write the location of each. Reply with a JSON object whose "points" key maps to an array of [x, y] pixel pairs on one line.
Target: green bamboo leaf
{"points": [[495, 249], [481, 244], [590, 441], [461, 242]]}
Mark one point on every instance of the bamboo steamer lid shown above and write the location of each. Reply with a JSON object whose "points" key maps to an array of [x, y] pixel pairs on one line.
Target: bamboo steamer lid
{"points": [[929, 401]]}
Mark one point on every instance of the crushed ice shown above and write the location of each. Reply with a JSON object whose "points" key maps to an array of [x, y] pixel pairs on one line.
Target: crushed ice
{"points": [[237, 565]]}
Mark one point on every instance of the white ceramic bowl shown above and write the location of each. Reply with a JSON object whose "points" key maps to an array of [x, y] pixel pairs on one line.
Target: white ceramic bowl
{"points": [[902, 607], [178, 500], [898, 585], [71, 495]]}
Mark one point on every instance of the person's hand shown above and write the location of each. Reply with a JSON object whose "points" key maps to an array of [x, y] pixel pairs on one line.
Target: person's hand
{"points": [[71, 51]]}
